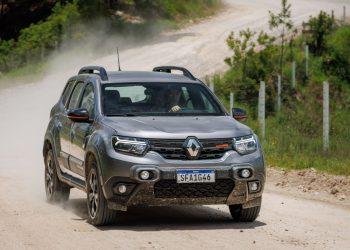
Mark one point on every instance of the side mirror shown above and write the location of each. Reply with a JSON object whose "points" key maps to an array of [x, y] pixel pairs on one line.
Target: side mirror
{"points": [[79, 115], [239, 114]]}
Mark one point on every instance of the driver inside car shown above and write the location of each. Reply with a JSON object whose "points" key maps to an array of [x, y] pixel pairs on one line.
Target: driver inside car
{"points": [[172, 100]]}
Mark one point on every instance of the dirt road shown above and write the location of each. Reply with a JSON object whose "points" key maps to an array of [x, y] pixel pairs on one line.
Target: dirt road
{"points": [[28, 222]]}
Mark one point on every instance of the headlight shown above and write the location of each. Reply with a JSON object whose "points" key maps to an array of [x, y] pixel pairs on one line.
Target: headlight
{"points": [[245, 144], [130, 145]]}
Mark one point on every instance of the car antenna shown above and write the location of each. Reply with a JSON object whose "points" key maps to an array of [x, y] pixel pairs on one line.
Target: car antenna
{"points": [[118, 60]]}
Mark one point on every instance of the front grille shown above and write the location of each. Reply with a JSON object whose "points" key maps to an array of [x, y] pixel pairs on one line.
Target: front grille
{"points": [[172, 189], [173, 149]]}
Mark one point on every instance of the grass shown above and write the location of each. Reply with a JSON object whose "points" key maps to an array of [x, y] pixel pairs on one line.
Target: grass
{"points": [[288, 146], [181, 10], [294, 138]]}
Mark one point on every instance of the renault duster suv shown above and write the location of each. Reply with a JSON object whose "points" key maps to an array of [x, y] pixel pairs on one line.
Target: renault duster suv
{"points": [[150, 138]]}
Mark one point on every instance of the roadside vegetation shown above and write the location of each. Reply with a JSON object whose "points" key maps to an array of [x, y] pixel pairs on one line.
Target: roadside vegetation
{"points": [[294, 134], [70, 22]]}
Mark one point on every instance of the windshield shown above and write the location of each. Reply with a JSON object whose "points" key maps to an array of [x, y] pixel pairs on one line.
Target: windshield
{"points": [[157, 99]]}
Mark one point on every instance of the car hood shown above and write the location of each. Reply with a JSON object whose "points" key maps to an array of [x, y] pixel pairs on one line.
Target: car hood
{"points": [[177, 127]]}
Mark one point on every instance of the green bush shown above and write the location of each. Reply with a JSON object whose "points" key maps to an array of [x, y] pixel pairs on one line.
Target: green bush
{"points": [[320, 27], [35, 40], [337, 60], [38, 40]]}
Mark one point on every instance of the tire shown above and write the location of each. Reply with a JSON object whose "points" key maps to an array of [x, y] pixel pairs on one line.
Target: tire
{"points": [[56, 191], [98, 211], [244, 214]]}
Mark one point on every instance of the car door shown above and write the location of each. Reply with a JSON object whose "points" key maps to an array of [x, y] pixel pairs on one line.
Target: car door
{"points": [[82, 131], [63, 129], [66, 125]]}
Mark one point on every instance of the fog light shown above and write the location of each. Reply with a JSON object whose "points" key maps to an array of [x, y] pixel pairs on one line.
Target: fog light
{"points": [[144, 175], [254, 186], [122, 189], [245, 173]]}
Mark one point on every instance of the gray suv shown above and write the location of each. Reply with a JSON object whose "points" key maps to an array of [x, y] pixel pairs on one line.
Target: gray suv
{"points": [[150, 138]]}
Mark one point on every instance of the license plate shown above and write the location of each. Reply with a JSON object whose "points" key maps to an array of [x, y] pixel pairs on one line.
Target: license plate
{"points": [[195, 176]]}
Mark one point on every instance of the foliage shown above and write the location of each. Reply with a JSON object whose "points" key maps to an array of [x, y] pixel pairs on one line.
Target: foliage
{"points": [[69, 17], [243, 49], [337, 59], [293, 135], [320, 27], [18, 14], [177, 9], [282, 21], [249, 66], [37, 38]]}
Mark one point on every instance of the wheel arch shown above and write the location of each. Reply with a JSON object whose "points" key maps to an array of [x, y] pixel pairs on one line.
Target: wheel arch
{"points": [[47, 146], [89, 157], [92, 154]]}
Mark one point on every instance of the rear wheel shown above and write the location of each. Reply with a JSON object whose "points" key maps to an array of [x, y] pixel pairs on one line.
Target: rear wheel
{"points": [[99, 213], [239, 213], [56, 191]]}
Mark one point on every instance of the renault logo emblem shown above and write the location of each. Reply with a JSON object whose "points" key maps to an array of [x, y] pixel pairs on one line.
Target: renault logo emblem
{"points": [[192, 147]]}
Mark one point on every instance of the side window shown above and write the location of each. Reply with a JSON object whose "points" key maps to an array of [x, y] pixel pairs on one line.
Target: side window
{"points": [[67, 91], [74, 100], [88, 100]]}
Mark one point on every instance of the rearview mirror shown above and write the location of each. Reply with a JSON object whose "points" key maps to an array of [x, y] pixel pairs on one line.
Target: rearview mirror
{"points": [[79, 115], [239, 114]]}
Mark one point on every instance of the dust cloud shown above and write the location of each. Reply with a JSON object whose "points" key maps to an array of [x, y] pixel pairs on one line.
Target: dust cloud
{"points": [[25, 105]]}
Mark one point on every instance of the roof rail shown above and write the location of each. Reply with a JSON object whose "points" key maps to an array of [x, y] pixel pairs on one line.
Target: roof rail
{"points": [[91, 70], [168, 69]]}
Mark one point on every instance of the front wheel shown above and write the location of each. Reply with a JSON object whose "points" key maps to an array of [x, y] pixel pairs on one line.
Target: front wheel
{"points": [[99, 213], [56, 191], [241, 214]]}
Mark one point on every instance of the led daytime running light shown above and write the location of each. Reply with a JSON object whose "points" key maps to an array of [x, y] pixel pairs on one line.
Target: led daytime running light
{"points": [[130, 145], [245, 144]]}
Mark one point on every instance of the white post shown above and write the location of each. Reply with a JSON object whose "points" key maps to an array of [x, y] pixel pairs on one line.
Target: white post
{"points": [[279, 93], [211, 86], [231, 102], [293, 74], [325, 116], [307, 60], [344, 14], [261, 108]]}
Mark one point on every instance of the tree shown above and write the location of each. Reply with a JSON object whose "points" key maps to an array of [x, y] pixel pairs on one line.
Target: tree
{"points": [[283, 22], [320, 26], [251, 62], [246, 59], [18, 14], [243, 48]]}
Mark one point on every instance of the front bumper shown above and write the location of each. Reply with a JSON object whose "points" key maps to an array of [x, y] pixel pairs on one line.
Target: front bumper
{"points": [[123, 169]]}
